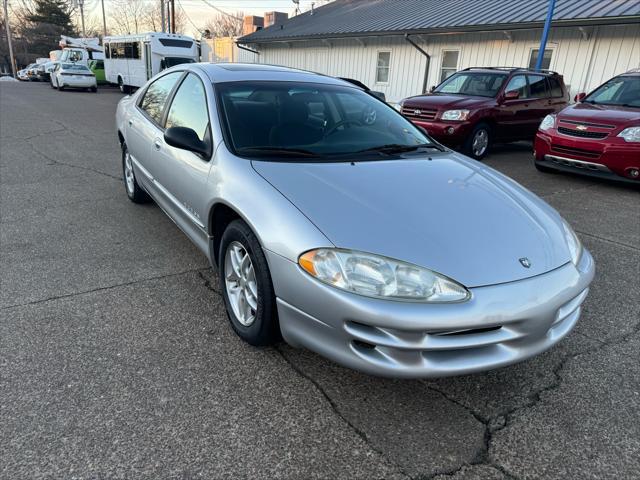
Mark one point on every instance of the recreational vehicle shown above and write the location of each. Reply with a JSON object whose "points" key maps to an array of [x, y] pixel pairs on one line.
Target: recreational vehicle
{"points": [[131, 60]]}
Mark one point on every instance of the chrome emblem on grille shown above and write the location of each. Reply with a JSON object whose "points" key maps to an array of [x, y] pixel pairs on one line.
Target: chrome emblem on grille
{"points": [[581, 127], [525, 262], [417, 112]]}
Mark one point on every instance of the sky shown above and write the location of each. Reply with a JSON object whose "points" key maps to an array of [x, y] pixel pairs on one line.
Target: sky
{"points": [[198, 11]]}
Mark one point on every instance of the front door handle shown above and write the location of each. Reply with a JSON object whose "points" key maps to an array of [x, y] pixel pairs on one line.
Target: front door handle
{"points": [[157, 145], [130, 122]]}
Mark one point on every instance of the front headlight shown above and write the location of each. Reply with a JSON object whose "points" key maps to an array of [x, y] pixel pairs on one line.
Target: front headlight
{"points": [[380, 277], [573, 243], [548, 122], [631, 134], [457, 115]]}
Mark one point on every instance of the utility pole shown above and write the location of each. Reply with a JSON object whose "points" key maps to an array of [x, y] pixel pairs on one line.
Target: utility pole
{"points": [[104, 20], [81, 5], [6, 24], [173, 16], [161, 15]]}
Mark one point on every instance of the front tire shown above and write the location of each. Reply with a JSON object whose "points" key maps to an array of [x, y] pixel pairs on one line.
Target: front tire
{"points": [[247, 287], [544, 169], [479, 141], [134, 192], [123, 88]]}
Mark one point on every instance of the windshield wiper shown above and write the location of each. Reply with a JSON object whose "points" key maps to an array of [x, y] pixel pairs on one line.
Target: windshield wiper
{"points": [[397, 148], [277, 151]]}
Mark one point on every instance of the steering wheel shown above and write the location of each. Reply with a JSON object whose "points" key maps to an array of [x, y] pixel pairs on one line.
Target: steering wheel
{"points": [[332, 130]]}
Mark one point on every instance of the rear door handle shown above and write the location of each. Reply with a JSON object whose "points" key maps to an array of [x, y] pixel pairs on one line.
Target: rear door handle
{"points": [[157, 145], [130, 122]]}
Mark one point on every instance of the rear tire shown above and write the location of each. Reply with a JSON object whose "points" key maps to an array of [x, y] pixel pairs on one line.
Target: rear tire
{"points": [[135, 193], [94, 89], [479, 142], [247, 287]]}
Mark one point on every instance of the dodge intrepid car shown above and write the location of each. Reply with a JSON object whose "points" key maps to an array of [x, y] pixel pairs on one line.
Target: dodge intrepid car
{"points": [[338, 225]]}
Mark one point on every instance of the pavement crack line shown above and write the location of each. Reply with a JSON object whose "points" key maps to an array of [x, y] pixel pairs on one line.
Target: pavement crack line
{"points": [[608, 240], [207, 283], [502, 420], [98, 289], [336, 410], [71, 165]]}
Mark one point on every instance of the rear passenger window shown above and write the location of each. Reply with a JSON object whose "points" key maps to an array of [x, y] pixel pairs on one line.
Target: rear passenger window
{"points": [[537, 86], [556, 87], [155, 97], [189, 107], [518, 84]]}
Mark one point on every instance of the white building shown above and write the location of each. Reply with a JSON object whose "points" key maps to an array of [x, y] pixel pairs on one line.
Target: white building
{"points": [[402, 47]]}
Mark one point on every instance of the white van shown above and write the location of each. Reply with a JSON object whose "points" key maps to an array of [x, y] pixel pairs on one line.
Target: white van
{"points": [[131, 60]]}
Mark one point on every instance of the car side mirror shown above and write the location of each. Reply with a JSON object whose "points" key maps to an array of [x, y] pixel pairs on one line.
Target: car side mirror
{"points": [[579, 97], [512, 95], [432, 89], [185, 139]]}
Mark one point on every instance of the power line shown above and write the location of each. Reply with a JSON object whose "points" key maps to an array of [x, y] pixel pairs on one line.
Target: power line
{"points": [[188, 17], [221, 11]]}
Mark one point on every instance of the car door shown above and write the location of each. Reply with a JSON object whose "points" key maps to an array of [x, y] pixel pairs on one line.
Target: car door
{"points": [[514, 117], [540, 104], [181, 174], [143, 125]]}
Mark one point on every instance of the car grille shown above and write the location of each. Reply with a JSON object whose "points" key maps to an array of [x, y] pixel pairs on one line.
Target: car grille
{"points": [[578, 152], [419, 113], [588, 124], [387, 346], [582, 133]]}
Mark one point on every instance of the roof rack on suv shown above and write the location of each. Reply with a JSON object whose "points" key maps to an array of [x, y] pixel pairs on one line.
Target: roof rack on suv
{"points": [[512, 69]]}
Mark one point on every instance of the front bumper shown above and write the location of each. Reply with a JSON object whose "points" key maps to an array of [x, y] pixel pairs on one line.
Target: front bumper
{"points": [[451, 134], [596, 158], [500, 325]]}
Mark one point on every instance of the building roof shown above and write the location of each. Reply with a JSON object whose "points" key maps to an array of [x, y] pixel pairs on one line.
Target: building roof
{"points": [[358, 18]]}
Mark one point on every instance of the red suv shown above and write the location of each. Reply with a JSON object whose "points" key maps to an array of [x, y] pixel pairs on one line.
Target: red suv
{"points": [[599, 135], [475, 107]]}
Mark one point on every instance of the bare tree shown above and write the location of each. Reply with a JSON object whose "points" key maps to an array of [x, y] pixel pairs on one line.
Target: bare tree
{"points": [[127, 16], [225, 25]]}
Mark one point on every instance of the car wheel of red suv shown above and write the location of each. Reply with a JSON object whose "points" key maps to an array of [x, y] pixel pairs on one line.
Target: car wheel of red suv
{"points": [[543, 169], [478, 142]]}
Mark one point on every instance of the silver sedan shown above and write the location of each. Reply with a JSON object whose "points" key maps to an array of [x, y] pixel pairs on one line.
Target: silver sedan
{"points": [[336, 224]]}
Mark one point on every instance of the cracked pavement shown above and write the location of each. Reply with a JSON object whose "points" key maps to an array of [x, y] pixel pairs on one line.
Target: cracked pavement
{"points": [[116, 359]]}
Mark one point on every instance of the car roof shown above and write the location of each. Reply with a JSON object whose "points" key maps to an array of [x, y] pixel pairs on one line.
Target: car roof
{"points": [[234, 72], [508, 70]]}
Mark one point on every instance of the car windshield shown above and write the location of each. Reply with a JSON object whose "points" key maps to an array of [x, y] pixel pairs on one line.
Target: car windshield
{"points": [[622, 91], [73, 66], [285, 119], [473, 83], [173, 61]]}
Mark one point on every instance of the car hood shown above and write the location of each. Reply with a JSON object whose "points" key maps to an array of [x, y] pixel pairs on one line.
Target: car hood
{"points": [[449, 214], [446, 101], [605, 114]]}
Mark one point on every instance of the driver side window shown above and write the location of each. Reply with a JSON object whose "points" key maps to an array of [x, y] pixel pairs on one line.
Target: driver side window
{"points": [[519, 84], [189, 107]]}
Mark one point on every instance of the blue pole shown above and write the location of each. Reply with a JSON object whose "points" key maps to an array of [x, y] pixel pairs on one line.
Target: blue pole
{"points": [[545, 33]]}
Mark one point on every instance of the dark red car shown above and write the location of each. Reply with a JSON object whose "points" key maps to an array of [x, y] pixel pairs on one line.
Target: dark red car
{"points": [[598, 136], [475, 107]]}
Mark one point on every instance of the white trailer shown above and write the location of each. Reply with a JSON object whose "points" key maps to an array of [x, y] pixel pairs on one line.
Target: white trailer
{"points": [[131, 60]]}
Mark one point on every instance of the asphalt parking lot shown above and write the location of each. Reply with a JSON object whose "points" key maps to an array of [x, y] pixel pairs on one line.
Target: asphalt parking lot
{"points": [[116, 359]]}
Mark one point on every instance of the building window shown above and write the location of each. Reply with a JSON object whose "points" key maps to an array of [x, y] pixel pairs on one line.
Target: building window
{"points": [[449, 63], [546, 58], [382, 67]]}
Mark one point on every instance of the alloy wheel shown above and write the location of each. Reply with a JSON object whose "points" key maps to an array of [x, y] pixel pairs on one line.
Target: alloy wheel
{"points": [[241, 284], [480, 142], [128, 174]]}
